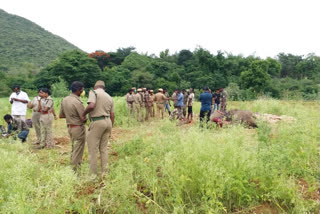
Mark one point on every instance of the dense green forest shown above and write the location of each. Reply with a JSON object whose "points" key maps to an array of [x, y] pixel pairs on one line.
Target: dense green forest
{"points": [[26, 46], [34, 58], [287, 76]]}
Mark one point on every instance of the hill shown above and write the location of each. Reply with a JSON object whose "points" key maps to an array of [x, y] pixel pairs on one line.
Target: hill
{"points": [[22, 41]]}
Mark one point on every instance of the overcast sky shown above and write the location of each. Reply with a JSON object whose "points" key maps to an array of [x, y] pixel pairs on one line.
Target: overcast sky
{"points": [[260, 27]]}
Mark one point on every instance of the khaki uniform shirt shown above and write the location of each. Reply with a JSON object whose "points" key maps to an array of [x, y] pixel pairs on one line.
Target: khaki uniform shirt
{"points": [[130, 98], [137, 99], [35, 103], [103, 101], [46, 102], [151, 99], [175, 99], [159, 98], [72, 107]]}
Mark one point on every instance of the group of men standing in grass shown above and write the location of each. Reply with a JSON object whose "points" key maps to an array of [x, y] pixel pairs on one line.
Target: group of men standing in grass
{"points": [[141, 103], [101, 115]]}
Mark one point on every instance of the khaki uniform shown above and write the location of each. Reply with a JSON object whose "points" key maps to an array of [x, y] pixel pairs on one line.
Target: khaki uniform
{"points": [[175, 100], [130, 100], [99, 129], [137, 106], [147, 104], [46, 123], [223, 101], [160, 99], [72, 108], [152, 113], [36, 113]]}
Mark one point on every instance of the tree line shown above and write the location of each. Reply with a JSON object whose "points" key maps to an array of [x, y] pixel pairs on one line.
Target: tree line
{"points": [[285, 76]]}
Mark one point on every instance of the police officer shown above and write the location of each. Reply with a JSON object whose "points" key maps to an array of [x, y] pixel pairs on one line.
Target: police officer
{"points": [[46, 118], [72, 109], [160, 99], [130, 100], [36, 112], [137, 105], [101, 114]]}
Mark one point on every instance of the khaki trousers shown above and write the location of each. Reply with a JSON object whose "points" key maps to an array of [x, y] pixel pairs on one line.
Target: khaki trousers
{"points": [[78, 140], [160, 108], [130, 107], [137, 111], [36, 124], [46, 130], [98, 136]]}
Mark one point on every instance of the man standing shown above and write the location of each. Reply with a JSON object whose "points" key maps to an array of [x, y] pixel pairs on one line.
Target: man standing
{"points": [[130, 100], [190, 104], [18, 126], [185, 101], [72, 109], [137, 105], [167, 102], [223, 99], [160, 98], [216, 98], [180, 104], [36, 113], [206, 102], [19, 101], [151, 103], [147, 103], [101, 113]]}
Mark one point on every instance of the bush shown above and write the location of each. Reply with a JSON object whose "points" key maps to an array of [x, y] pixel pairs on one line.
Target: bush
{"points": [[60, 89]]}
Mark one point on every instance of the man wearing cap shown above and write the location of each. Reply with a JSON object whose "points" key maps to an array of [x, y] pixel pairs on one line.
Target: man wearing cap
{"points": [[137, 104], [101, 113], [206, 103], [160, 99], [147, 103], [130, 100], [72, 109]]}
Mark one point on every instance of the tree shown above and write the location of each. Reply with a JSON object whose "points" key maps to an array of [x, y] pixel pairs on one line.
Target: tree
{"points": [[101, 57], [256, 77], [70, 66]]}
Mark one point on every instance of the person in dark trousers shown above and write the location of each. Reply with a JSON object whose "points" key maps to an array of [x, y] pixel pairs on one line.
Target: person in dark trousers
{"points": [[17, 126], [216, 98], [206, 103]]}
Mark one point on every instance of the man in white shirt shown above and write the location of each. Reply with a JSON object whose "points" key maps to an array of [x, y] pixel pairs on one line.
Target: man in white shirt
{"points": [[19, 101], [190, 104]]}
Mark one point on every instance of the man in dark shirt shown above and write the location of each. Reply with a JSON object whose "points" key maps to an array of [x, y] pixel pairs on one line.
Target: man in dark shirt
{"points": [[206, 103], [216, 98]]}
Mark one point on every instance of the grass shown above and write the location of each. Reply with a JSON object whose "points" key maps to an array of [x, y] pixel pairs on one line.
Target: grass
{"points": [[160, 167]]}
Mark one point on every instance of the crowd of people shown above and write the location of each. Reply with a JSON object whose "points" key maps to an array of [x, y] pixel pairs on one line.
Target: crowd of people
{"points": [[142, 102]]}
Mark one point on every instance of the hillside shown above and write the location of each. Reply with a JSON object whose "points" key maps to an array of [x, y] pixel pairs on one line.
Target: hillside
{"points": [[24, 41]]}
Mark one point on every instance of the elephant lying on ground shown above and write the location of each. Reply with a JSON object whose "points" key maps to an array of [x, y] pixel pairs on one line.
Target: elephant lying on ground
{"points": [[241, 116]]}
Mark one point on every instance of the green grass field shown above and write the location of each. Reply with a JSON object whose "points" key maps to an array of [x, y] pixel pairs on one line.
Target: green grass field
{"points": [[161, 167]]}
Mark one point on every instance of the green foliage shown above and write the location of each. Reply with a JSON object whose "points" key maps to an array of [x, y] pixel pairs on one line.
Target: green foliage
{"points": [[256, 77], [22, 41], [70, 66], [60, 89]]}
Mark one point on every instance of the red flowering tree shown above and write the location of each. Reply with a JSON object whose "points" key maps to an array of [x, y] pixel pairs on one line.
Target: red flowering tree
{"points": [[101, 57]]}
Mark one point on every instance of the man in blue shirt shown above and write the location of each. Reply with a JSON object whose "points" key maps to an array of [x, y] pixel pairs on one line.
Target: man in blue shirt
{"points": [[180, 104], [206, 103]]}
